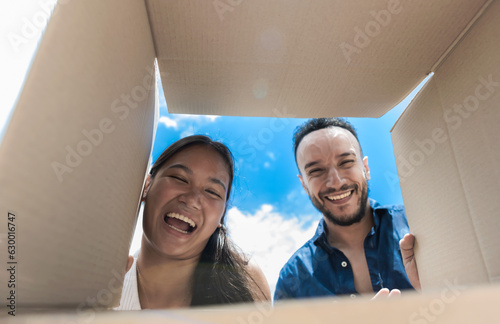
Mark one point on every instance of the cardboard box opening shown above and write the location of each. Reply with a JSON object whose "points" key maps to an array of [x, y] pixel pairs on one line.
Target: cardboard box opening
{"points": [[249, 58]]}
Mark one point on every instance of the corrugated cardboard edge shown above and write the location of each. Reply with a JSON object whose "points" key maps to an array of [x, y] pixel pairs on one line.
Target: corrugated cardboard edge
{"points": [[450, 49], [69, 260], [447, 306], [483, 244]]}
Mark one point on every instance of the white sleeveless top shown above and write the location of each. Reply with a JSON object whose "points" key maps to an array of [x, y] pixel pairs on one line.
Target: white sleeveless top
{"points": [[130, 294]]}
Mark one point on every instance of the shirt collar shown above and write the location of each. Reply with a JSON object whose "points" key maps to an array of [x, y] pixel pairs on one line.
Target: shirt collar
{"points": [[320, 237]]}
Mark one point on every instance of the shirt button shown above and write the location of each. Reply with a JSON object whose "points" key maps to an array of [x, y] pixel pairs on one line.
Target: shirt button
{"points": [[343, 264], [353, 296]]}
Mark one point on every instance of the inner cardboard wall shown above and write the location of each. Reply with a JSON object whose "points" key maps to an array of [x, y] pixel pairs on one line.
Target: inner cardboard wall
{"points": [[446, 146], [75, 153]]}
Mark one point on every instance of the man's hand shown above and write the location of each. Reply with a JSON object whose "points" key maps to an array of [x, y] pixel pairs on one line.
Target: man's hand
{"points": [[406, 245], [385, 293], [129, 263]]}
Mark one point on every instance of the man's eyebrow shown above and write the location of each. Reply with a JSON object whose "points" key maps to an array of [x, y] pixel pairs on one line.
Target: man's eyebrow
{"points": [[310, 164], [346, 154]]}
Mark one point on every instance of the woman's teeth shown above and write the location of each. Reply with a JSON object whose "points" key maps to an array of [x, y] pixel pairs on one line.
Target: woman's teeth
{"points": [[182, 218]]}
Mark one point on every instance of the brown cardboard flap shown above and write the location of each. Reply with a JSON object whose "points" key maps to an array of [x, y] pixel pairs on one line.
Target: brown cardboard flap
{"points": [[446, 146], [312, 58], [449, 305], [74, 156]]}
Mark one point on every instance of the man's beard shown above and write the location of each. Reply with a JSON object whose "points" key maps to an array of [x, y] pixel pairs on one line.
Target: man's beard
{"points": [[356, 217]]}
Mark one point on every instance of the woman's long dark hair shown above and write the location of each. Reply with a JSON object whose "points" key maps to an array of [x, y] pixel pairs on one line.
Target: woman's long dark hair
{"points": [[220, 276]]}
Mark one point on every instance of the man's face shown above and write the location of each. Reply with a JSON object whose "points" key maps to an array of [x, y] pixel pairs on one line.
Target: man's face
{"points": [[334, 174]]}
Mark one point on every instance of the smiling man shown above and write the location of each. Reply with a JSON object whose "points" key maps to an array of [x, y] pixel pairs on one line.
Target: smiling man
{"points": [[355, 249]]}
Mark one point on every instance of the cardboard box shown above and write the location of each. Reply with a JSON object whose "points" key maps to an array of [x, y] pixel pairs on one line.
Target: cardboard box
{"points": [[449, 305], [302, 58], [253, 58], [74, 157], [446, 145]]}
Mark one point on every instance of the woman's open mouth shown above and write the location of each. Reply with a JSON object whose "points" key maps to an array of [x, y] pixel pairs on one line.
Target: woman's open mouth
{"points": [[180, 223]]}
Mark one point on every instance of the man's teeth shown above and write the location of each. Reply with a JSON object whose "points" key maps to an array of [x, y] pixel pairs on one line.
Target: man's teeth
{"points": [[340, 196], [182, 218]]}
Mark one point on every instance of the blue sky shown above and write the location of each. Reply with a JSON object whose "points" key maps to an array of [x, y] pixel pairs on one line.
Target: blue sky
{"points": [[268, 201]]}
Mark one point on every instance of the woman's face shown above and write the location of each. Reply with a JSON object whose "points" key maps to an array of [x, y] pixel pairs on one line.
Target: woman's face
{"points": [[185, 202]]}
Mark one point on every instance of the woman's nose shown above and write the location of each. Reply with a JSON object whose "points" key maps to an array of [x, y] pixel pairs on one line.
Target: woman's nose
{"points": [[191, 198]]}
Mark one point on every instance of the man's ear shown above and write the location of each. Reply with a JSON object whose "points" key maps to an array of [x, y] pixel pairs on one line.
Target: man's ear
{"points": [[302, 182], [366, 168], [147, 185]]}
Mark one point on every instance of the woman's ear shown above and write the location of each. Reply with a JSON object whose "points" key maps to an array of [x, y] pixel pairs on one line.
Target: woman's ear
{"points": [[147, 185]]}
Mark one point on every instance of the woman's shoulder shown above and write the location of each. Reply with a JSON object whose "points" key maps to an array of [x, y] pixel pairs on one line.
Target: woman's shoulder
{"points": [[259, 286]]}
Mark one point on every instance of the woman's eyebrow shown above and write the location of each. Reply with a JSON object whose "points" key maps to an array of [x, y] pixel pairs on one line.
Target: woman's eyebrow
{"points": [[180, 166], [219, 182]]}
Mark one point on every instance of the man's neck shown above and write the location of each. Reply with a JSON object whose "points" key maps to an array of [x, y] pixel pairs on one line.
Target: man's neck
{"points": [[350, 236]]}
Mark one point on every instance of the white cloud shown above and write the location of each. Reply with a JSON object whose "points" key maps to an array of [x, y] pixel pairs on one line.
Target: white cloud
{"points": [[187, 122], [211, 118], [269, 237], [271, 156], [198, 118], [267, 165], [168, 122]]}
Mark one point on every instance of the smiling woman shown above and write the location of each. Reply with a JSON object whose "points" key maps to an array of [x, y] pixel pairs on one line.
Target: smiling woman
{"points": [[186, 258]]}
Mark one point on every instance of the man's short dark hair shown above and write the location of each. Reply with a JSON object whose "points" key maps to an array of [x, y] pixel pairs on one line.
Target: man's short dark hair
{"points": [[319, 123]]}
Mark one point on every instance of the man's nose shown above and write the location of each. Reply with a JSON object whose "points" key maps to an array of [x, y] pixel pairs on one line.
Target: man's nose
{"points": [[335, 179]]}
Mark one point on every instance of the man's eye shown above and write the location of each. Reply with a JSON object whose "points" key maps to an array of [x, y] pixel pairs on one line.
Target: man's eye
{"points": [[347, 162], [315, 171]]}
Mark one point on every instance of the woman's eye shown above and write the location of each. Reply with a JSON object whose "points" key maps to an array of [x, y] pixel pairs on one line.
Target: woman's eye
{"points": [[178, 178], [213, 193]]}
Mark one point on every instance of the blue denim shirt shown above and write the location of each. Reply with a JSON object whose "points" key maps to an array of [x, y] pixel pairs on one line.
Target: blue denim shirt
{"points": [[317, 269]]}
